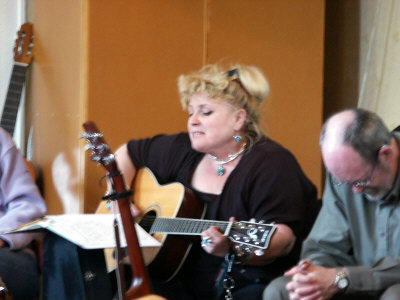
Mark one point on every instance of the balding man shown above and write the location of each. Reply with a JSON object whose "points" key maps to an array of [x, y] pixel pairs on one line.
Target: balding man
{"points": [[353, 250]]}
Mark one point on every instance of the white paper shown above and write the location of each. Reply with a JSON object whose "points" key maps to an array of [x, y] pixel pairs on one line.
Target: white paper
{"points": [[89, 231]]}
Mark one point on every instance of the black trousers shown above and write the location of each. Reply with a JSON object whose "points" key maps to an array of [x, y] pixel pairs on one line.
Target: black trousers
{"points": [[73, 273]]}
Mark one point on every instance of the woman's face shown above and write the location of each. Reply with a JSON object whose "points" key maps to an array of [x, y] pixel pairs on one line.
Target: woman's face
{"points": [[212, 125]]}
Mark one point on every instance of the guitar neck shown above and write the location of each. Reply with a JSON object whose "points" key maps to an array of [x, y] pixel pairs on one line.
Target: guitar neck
{"points": [[13, 98], [248, 233], [140, 285], [185, 226]]}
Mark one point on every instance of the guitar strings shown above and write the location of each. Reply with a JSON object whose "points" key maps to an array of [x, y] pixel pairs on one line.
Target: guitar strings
{"points": [[158, 224]]}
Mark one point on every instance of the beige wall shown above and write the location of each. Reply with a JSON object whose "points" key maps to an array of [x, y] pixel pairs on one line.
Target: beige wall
{"points": [[380, 59], [56, 99], [342, 55], [116, 63]]}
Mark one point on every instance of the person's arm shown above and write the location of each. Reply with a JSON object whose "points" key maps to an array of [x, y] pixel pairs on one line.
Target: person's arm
{"points": [[279, 193], [311, 282], [162, 154], [125, 164], [380, 276], [20, 198], [127, 169], [329, 243], [316, 282], [281, 244]]}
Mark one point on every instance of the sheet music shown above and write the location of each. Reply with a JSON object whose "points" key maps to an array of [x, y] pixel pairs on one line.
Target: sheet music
{"points": [[89, 231]]}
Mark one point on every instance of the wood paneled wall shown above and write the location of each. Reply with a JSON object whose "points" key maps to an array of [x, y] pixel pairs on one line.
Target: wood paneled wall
{"points": [[116, 63]]}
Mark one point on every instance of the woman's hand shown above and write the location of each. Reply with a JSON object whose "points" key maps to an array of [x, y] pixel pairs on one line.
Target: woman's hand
{"points": [[135, 211], [214, 242]]}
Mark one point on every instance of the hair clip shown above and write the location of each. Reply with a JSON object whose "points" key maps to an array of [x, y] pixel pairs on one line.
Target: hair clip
{"points": [[233, 72]]}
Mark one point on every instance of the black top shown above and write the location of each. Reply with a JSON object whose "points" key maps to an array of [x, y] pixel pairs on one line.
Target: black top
{"points": [[267, 184]]}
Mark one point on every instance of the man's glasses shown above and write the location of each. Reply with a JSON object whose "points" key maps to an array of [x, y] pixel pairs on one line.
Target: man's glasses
{"points": [[358, 183]]}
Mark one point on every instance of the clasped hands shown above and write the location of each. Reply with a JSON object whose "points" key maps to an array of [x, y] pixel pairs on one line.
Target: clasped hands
{"points": [[311, 282]]}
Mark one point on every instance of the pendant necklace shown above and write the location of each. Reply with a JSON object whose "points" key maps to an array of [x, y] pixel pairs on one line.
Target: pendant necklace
{"points": [[221, 163]]}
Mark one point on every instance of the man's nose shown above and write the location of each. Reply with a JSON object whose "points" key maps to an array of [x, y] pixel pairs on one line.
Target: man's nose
{"points": [[358, 189]]}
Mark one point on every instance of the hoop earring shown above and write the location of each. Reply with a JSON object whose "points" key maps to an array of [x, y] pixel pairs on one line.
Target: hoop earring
{"points": [[237, 138]]}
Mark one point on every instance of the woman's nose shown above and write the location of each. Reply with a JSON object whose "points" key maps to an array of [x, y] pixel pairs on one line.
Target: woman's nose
{"points": [[193, 119]]}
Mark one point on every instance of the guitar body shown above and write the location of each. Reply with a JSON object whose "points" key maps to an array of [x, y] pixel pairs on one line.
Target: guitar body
{"points": [[169, 201]]}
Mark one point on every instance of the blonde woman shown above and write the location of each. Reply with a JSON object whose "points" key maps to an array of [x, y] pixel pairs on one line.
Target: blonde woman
{"points": [[237, 172]]}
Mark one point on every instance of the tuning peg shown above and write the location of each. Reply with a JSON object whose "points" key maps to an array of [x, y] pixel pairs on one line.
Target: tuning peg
{"points": [[108, 159], [236, 237], [84, 135], [102, 148], [91, 136], [96, 159], [97, 148], [29, 51], [103, 160], [89, 147], [259, 252]]}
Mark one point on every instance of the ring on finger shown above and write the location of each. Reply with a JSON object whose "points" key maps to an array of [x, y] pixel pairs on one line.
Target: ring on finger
{"points": [[206, 241]]}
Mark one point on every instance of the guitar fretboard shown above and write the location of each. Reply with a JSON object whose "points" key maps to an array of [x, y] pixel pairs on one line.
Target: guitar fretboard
{"points": [[13, 98], [249, 233], [185, 226]]}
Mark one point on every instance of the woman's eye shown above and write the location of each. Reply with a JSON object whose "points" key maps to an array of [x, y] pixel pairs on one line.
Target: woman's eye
{"points": [[207, 113]]}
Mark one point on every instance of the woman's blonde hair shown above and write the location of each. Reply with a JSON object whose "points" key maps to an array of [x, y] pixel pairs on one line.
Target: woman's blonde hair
{"points": [[241, 85]]}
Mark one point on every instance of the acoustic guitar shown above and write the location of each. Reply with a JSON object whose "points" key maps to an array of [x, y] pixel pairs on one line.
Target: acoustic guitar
{"points": [[22, 60], [174, 216]]}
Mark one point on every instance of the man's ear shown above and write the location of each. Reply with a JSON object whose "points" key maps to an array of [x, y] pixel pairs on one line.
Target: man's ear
{"points": [[387, 152], [240, 119]]}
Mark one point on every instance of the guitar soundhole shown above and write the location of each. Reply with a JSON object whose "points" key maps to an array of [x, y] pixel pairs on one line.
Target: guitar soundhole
{"points": [[148, 220]]}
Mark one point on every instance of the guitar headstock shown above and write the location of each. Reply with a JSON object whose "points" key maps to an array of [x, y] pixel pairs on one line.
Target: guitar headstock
{"points": [[252, 234], [24, 44], [100, 150]]}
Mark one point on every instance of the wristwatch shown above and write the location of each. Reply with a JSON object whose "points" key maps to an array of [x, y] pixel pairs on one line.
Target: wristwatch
{"points": [[341, 280]]}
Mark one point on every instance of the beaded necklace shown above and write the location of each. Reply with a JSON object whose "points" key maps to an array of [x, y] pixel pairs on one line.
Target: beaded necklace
{"points": [[221, 163]]}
